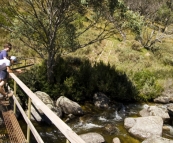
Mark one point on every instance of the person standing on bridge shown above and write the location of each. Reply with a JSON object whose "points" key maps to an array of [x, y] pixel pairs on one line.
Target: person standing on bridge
{"points": [[5, 64], [4, 73], [4, 52]]}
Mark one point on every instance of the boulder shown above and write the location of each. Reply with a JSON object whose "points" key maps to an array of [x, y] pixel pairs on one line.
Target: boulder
{"points": [[154, 111], [144, 127], [101, 100], [68, 106], [162, 99], [37, 114]]}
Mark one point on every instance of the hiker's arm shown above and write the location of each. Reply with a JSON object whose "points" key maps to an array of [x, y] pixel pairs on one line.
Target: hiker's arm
{"points": [[9, 70]]}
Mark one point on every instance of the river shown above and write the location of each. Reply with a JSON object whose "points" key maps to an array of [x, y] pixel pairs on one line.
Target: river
{"points": [[94, 120]]}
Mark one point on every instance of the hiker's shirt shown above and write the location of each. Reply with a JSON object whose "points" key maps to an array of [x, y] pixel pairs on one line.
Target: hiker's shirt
{"points": [[4, 63], [3, 54]]}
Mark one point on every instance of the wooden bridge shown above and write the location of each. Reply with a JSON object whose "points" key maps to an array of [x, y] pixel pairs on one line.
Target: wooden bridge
{"points": [[13, 128]]}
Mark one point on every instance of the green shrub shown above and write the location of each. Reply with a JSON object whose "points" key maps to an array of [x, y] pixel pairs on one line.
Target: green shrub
{"points": [[146, 83], [79, 80]]}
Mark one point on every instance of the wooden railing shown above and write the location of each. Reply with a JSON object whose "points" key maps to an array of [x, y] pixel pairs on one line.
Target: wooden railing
{"points": [[23, 63], [70, 135]]}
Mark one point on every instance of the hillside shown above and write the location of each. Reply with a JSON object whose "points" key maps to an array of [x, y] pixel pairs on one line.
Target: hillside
{"points": [[129, 46], [149, 70]]}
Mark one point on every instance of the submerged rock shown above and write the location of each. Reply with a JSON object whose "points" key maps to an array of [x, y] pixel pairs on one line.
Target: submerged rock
{"points": [[92, 138]]}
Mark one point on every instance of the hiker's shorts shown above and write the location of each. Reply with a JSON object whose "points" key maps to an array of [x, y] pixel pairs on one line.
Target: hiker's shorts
{"points": [[3, 74]]}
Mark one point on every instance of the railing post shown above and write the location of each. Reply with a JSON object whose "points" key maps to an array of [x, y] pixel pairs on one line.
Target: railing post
{"points": [[29, 117], [14, 108]]}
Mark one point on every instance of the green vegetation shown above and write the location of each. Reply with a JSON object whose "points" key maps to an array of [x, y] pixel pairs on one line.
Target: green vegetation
{"points": [[79, 80], [122, 50]]}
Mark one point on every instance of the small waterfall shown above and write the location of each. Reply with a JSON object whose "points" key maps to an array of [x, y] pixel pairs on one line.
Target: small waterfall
{"points": [[119, 114], [117, 117]]}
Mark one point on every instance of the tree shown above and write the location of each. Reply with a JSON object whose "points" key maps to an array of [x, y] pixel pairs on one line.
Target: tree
{"points": [[119, 16], [146, 8], [157, 16], [53, 28], [49, 27], [165, 14]]}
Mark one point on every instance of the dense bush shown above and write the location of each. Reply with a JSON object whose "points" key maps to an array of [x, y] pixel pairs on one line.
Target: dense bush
{"points": [[79, 80]]}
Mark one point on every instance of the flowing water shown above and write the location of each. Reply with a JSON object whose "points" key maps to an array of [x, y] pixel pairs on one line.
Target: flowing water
{"points": [[108, 123]]}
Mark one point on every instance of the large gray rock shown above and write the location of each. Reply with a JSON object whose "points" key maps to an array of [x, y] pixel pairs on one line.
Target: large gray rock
{"points": [[157, 139], [92, 138], [144, 127], [37, 114], [68, 106], [154, 111], [163, 99]]}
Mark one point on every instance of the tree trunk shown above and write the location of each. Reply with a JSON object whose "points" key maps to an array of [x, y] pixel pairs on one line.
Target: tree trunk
{"points": [[50, 72]]}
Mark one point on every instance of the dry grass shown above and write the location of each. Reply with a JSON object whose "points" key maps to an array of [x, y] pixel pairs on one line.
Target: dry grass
{"points": [[130, 60]]}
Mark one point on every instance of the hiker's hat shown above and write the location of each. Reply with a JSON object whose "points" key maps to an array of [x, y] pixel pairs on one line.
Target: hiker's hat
{"points": [[13, 58]]}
